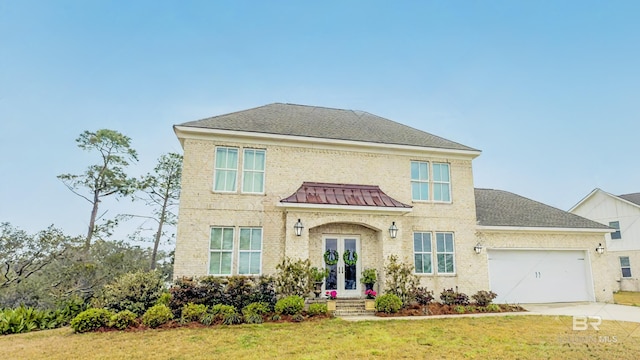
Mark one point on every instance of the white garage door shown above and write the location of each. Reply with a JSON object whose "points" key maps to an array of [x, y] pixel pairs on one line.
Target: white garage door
{"points": [[540, 276]]}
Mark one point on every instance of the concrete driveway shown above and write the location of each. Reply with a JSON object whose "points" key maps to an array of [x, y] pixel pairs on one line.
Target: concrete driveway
{"points": [[605, 311]]}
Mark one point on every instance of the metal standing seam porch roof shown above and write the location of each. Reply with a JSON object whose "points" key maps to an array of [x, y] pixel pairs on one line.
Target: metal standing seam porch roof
{"points": [[343, 194]]}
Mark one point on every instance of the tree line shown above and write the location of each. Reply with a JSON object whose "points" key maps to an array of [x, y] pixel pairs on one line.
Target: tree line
{"points": [[43, 269]]}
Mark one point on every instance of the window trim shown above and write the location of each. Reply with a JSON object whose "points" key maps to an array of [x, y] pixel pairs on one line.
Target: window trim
{"points": [[423, 252], [625, 267], [431, 182], [264, 172], [232, 251], [434, 254], [216, 169], [419, 181], [434, 182], [619, 234], [453, 252], [250, 251]]}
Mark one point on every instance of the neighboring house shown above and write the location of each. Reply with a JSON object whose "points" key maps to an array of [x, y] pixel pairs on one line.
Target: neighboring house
{"points": [[349, 188], [622, 214]]}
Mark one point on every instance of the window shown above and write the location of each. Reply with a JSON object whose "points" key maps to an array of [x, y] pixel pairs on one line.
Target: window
{"points": [[220, 251], [616, 234], [445, 252], [419, 180], [625, 266], [250, 251], [226, 169], [253, 171], [422, 252], [441, 184]]}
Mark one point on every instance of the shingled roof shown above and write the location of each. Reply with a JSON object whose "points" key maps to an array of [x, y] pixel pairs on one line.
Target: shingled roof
{"points": [[322, 122], [634, 198], [502, 208]]}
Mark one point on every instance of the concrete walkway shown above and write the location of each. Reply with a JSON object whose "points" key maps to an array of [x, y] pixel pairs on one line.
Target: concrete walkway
{"points": [[605, 311]]}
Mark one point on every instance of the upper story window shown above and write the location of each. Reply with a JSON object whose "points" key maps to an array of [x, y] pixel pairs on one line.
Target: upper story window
{"points": [[616, 234], [253, 171], [226, 170], [438, 184], [419, 180]]}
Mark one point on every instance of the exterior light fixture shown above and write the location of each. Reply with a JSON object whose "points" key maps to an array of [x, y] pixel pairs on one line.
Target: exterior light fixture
{"points": [[298, 228], [477, 248], [393, 230], [600, 249]]}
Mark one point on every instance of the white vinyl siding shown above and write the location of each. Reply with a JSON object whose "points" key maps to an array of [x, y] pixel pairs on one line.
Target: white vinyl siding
{"points": [[226, 169], [250, 251], [616, 235], [221, 251], [253, 171]]}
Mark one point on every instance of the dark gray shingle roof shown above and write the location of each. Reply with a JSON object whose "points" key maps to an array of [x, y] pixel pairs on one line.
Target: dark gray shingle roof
{"points": [[321, 122], [502, 208], [634, 198]]}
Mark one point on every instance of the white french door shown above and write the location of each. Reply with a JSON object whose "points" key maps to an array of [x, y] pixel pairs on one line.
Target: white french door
{"points": [[344, 275]]}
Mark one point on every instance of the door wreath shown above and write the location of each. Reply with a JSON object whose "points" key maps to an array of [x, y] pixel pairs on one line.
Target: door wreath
{"points": [[350, 257], [331, 257]]}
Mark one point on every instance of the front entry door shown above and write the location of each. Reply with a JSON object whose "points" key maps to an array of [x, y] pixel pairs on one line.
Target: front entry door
{"points": [[344, 275]]}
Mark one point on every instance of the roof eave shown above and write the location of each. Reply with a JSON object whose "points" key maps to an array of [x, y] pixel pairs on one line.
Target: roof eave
{"points": [[541, 229], [346, 208]]}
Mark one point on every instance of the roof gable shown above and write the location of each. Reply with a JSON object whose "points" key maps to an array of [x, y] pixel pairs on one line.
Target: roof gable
{"points": [[632, 199], [327, 123], [502, 208]]}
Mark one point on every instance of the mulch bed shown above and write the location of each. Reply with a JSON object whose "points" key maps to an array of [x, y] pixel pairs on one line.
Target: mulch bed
{"points": [[440, 309]]}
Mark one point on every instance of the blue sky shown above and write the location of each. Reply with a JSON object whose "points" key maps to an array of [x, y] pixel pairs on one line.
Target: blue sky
{"points": [[548, 90]]}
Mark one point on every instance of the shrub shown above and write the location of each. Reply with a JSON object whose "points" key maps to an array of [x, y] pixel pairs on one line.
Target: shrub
{"points": [[253, 312], [164, 299], [422, 296], [276, 317], [157, 315], [297, 317], [193, 312], [317, 309], [122, 320], [232, 319], [135, 292], [493, 308], [484, 298], [207, 290], [91, 319], [459, 309], [451, 297], [22, 319], [293, 278], [290, 305], [388, 303], [400, 279]]}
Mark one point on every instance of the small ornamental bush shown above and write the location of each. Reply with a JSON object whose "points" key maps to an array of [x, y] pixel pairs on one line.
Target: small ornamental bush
{"points": [[451, 297], [232, 319], [164, 299], [157, 315], [91, 319], [484, 298], [258, 308], [290, 305], [220, 311], [459, 309], [297, 318], [493, 308], [193, 312], [135, 292], [122, 320], [388, 303], [317, 309], [423, 296]]}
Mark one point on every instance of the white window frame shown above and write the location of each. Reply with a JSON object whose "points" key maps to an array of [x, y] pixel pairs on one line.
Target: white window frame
{"points": [[615, 225], [441, 182], [622, 267], [245, 171], [420, 181], [423, 252], [445, 252], [230, 169], [250, 251], [221, 250]]}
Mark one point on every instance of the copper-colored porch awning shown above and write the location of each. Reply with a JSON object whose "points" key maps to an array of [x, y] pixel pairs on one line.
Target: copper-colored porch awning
{"points": [[343, 194]]}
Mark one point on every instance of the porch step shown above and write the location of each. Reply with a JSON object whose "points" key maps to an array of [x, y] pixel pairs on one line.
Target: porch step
{"points": [[351, 307], [362, 312]]}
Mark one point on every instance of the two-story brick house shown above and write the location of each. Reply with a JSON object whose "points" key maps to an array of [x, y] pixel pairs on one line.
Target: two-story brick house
{"points": [[622, 214], [346, 189]]}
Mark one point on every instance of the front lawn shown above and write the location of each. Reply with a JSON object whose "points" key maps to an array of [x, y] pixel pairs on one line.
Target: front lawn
{"points": [[627, 298], [508, 337]]}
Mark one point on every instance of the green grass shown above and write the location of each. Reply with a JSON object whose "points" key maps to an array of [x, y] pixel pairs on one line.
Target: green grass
{"points": [[627, 298], [508, 337]]}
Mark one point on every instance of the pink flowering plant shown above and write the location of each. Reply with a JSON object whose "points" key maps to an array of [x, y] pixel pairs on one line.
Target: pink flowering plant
{"points": [[332, 295], [370, 294]]}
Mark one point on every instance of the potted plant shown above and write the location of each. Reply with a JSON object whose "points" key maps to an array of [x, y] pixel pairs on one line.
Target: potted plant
{"points": [[369, 302], [331, 300], [369, 278], [318, 275]]}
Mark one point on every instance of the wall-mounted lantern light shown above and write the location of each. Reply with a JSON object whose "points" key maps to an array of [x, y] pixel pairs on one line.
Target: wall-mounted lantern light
{"points": [[477, 248], [600, 249], [298, 228], [393, 230]]}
